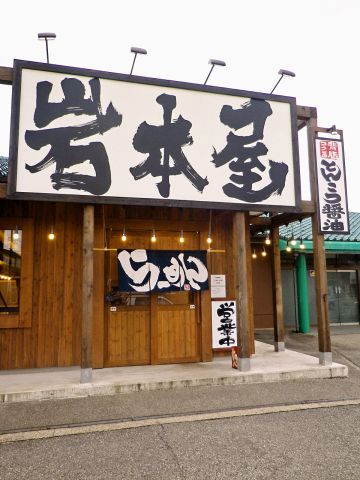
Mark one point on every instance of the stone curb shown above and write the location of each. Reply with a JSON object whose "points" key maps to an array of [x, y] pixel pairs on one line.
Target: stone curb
{"points": [[97, 389]]}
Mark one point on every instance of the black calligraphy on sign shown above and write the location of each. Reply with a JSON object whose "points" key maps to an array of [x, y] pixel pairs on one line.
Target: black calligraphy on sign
{"points": [[332, 208], [162, 270], [62, 153], [226, 313], [243, 153], [171, 136]]}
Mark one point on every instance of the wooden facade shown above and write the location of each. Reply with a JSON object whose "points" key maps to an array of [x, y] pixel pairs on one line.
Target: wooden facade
{"points": [[50, 335], [64, 318]]}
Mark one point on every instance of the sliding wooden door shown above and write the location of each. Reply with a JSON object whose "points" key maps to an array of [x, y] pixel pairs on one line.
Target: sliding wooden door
{"points": [[127, 315], [157, 328]]}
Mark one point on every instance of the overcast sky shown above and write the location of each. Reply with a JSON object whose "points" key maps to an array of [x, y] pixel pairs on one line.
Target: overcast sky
{"points": [[317, 39]]}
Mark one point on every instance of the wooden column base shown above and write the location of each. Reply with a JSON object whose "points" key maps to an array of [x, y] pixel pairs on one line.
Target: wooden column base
{"points": [[279, 346], [244, 364], [325, 358], [86, 375]]}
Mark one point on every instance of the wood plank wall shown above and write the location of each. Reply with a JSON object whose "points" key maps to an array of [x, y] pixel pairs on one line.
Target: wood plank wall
{"points": [[54, 336], [263, 290]]}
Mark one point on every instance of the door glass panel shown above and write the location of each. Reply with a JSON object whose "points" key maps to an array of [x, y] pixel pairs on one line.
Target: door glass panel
{"points": [[128, 299], [10, 270], [175, 298], [333, 297], [343, 297], [348, 297]]}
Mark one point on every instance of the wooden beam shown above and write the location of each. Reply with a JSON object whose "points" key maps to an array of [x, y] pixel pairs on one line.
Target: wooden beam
{"points": [[158, 224], [279, 330], [263, 221], [321, 288], [286, 218], [305, 113], [301, 124], [308, 206], [242, 257], [99, 294], [250, 314], [87, 295], [6, 75], [3, 189]]}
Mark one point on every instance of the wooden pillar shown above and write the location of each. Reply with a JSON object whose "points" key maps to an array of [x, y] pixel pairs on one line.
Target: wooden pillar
{"points": [[321, 289], [87, 295], [279, 330], [249, 263], [242, 260]]}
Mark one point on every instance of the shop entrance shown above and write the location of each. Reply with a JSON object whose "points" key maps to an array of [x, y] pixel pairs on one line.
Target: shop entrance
{"points": [[150, 328], [343, 296]]}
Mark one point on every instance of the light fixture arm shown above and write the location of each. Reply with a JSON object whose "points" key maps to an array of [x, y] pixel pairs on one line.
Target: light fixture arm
{"points": [[207, 78], [47, 50], [46, 36], [136, 51], [132, 66], [276, 84], [282, 72], [214, 62]]}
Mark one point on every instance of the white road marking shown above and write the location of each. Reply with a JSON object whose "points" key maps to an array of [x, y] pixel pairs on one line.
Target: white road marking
{"points": [[198, 417]]}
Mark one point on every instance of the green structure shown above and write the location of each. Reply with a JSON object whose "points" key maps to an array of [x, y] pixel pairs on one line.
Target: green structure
{"points": [[302, 293], [343, 272]]}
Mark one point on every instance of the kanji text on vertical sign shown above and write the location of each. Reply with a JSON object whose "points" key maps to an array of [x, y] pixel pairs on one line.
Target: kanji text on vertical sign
{"points": [[90, 136], [224, 324], [331, 183]]}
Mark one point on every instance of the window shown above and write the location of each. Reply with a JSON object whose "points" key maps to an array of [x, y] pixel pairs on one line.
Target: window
{"points": [[10, 270], [16, 272]]}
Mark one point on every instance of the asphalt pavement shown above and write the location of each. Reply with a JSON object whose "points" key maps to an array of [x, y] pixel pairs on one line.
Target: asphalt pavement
{"points": [[303, 445], [346, 350]]}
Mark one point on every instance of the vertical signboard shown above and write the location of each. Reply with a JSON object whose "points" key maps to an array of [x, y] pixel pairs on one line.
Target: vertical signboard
{"points": [[224, 324], [331, 184]]}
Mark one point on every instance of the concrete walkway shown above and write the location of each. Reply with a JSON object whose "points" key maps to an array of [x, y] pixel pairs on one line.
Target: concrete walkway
{"points": [[266, 366]]}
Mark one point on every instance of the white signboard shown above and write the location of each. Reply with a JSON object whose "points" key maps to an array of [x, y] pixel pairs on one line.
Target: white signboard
{"points": [[82, 135], [331, 183], [218, 286], [224, 324]]}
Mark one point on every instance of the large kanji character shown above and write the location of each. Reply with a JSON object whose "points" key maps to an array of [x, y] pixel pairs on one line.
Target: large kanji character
{"points": [[171, 136], [247, 163], [62, 152]]}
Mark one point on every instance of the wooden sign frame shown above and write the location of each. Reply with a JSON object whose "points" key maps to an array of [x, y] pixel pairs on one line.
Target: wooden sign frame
{"points": [[292, 187]]}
